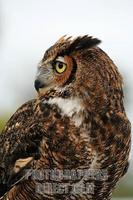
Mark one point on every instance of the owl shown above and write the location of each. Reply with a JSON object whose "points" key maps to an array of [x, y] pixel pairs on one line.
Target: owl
{"points": [[72, 141]]}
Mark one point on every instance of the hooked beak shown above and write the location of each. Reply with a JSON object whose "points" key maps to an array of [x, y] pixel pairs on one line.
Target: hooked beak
{"points": [[44, 78], [38, 84]]}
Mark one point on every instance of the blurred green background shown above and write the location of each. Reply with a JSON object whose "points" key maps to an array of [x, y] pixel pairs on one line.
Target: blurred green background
{"points": [[28, 28]]}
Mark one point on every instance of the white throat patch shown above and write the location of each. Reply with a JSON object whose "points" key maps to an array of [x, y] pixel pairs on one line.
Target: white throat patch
{"points": [[71, 107]]}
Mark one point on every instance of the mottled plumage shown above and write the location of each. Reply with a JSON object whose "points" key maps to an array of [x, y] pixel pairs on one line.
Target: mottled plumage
{"points": [[77, 122]]}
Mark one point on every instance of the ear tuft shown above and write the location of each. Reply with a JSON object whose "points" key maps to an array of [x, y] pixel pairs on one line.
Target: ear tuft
{"points": [[84, 42]]}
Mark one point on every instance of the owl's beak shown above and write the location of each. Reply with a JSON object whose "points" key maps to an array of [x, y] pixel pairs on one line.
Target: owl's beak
{"points": [[44, 79], [38, 84]]}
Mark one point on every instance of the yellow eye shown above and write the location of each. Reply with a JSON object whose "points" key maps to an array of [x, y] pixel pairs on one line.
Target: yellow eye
{"points": [[60, 67]]}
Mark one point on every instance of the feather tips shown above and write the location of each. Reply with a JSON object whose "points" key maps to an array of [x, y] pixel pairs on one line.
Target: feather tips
{"points": [[80, 43], [67, 45]]}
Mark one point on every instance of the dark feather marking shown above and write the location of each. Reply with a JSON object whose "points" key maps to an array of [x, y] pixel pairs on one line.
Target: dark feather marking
{"points": [[80, 43], [72, 75]]}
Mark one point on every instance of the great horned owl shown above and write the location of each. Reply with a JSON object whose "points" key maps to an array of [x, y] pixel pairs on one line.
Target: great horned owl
{"points": [[77, 126]]}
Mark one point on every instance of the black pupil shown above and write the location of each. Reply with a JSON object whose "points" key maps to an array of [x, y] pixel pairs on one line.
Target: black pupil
{"points": [[60, 65]]}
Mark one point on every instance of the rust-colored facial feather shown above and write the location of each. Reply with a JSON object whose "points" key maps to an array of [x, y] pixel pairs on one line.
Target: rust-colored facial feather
{"points": [[60, 79]]}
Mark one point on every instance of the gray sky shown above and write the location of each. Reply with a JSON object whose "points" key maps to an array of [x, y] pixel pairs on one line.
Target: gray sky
{"points": [[29, 27]]}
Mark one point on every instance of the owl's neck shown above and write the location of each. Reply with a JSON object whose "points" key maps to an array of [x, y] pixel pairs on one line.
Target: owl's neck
{"points": [[70, 107]]}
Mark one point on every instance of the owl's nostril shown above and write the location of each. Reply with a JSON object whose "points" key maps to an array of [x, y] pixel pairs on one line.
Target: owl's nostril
{"points": [[38, 84]]}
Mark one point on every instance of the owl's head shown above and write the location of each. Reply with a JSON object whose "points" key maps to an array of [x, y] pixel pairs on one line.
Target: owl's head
{"points": [[62, 62], [79, 68]]}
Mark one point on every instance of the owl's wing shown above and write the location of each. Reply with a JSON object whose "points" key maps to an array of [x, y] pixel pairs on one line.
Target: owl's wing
{"points": [[19, 146]]}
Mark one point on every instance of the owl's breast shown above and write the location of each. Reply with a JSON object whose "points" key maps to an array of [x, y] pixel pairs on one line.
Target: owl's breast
{"points": [[66, 140], [71, 108]]}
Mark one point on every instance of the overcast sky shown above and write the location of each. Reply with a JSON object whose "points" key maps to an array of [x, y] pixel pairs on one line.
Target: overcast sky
{"points": [[29, 27]]}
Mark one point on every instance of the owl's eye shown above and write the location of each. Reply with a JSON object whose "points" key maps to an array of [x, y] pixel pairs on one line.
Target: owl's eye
{"points": [[60, 67]]}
